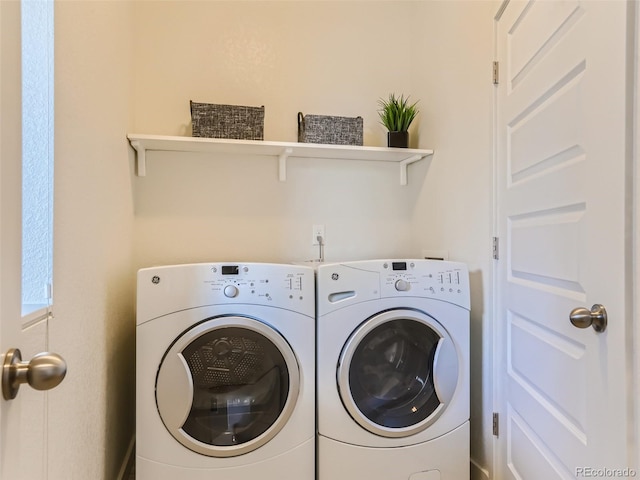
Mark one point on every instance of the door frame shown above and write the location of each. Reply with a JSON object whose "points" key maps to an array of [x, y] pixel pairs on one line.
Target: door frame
{"points": [[633, 238]]}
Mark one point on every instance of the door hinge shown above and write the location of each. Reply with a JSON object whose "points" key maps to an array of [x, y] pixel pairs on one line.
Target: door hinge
{"points": [[496, 248], [496, 73], [496, 428]]}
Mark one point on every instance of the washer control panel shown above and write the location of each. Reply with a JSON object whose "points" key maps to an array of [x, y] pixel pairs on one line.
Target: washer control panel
{"points": [[252, 282], [277, 285]]}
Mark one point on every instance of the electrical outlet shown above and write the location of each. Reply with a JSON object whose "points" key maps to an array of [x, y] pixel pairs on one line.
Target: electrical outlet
{"points": [[318, 231]]}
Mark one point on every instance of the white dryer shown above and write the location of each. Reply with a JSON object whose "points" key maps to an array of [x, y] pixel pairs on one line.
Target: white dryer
{"points": [[393, 370], [225, 372]]}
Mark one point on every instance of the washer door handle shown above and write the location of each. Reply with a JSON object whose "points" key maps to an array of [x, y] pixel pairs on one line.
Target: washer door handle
{"points": [[445, 370], [174, 391]]}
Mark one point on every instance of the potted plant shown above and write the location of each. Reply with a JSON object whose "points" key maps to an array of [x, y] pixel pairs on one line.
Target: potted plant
{"points": [[396, 114]]}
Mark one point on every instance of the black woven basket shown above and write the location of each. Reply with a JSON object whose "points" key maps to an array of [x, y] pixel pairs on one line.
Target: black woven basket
{"points": [[227, 121], [329, 129]]}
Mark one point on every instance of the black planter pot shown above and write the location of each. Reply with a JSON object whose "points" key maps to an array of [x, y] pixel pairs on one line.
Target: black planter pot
{"points": [[398, 139]]}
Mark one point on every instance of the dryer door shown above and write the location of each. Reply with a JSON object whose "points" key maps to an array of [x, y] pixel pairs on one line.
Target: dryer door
{"points": [[397, 373], [227, 386]]}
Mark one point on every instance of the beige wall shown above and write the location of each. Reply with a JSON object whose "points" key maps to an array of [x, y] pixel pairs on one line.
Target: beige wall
{"points": [[133, 67], [91, 413], [315, 57]]}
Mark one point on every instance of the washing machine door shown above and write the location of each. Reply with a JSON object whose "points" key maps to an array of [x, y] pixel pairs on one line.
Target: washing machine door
{"points": [[227, 386], [397, 372]]}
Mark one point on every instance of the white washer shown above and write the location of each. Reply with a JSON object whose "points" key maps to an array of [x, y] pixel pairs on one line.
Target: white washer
{"points": [[393, 370], [225, 372]]}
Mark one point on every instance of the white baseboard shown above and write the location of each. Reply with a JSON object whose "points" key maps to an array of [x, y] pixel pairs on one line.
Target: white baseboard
{"points": [[127, 460]]}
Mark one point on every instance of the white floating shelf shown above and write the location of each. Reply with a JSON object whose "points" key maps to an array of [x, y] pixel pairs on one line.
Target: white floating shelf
{"points": [[280, 150]]}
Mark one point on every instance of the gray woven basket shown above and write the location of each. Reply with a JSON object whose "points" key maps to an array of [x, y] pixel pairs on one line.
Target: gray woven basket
{"points": [[329, 129], [227, 121]]}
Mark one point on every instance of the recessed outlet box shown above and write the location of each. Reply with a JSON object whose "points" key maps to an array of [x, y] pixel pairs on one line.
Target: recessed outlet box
{"points": [[435, 254], [318, 231]]}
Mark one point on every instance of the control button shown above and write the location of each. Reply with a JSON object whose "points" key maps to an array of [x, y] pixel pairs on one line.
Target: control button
{"points": [[230, 291], [402, 286]]}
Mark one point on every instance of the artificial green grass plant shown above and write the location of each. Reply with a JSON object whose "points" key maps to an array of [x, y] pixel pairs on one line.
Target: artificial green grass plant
{"points": [[396, 114]]}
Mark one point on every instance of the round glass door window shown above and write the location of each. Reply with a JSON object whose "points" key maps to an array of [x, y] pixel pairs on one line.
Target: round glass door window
{"points": [[227, 386], [388, 373]]}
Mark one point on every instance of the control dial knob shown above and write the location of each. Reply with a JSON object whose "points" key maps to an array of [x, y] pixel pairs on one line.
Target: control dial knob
{"points": [[230, 291], [402, 285]]}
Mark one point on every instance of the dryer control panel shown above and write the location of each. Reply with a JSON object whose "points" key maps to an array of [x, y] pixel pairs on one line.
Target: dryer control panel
{"points": [[447, 281], [370, 279], [188, 286]]}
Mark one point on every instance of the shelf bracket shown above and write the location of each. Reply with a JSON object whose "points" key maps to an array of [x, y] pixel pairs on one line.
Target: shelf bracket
{"points": [[141, 158], [282, 164], [403, 167]]}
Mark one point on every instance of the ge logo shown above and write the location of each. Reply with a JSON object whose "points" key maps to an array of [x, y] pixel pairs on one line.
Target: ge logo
{"points": [[335, 276], [155, 279]]}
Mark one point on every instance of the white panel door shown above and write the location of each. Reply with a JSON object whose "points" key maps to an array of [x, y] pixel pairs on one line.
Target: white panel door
{"points": [[23, 419], [561, 155]]}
